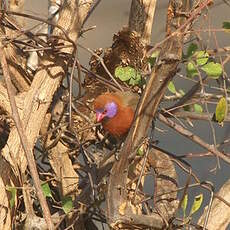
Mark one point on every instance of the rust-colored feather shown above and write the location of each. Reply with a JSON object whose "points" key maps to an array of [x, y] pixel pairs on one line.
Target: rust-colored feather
{"points": [[126, 104]]}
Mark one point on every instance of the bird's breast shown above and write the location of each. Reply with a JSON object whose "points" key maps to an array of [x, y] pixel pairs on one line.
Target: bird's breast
{"points": [[119, 125]]}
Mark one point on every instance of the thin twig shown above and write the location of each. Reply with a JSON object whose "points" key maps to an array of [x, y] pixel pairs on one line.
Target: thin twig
{"points": [[71, 88], [193, 137], [141, 174], [195, 116], [101, 79], [79, 78], [207, 111], [209, 209], [40, 20], [188, 21], [103, 64], [91, 11]]}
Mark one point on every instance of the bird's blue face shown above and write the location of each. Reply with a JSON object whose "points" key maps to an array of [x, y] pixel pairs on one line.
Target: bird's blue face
{"points": [[109, 111]]}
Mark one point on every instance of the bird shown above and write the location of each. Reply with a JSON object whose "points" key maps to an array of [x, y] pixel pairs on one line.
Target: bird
{"points": [[116, 111]]}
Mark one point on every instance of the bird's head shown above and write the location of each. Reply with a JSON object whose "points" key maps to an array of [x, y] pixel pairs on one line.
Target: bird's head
{"points": [[108, 110]]}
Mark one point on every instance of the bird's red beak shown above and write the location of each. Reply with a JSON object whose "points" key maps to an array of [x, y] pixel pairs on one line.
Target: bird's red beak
{"points": [[99, 116]]}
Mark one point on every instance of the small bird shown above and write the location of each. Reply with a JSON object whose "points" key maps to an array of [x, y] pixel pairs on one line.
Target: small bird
{"points": [[116, 111]]}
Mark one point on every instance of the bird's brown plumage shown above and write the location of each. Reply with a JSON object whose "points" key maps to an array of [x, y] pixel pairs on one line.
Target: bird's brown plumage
{"points": [[126, 103]]}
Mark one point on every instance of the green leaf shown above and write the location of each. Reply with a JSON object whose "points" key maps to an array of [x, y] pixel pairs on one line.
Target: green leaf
{"points": [[46, 190], [181, 91], [67, 204], [124, 73], [221, 110], [171, 87], [191, 70], [135, 80], [153, 57], [128, 73], [196, 204], [152, 61], [226, 25], [184, 204], [13, 193], [213, 70], [155, 54], [201, 57], [198, 108], [140, 151], [191, 49]]}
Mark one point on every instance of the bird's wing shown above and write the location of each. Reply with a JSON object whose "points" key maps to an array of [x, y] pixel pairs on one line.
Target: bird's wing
{"points": [[129, 99]]}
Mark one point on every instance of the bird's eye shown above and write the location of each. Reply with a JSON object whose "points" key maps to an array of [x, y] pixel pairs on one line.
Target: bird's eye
{"points": [[105, 111]]}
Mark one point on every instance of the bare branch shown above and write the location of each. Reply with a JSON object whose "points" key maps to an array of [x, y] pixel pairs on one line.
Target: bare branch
{"points": [[141, 18], [193, 137]]}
